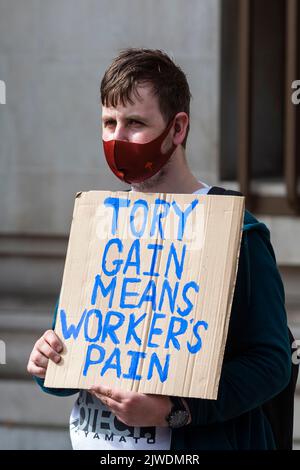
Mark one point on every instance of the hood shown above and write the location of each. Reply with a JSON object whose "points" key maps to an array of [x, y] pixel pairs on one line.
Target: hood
{"points": [[251, 223]]}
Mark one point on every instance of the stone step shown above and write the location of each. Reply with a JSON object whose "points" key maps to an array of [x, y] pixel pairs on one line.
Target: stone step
{"points": [[20, 327], [25, 275], [22, 321], [37, 304], [18, 349], [16, 321], [25, 406], [50, 435], [30, 438], [24, 403]]}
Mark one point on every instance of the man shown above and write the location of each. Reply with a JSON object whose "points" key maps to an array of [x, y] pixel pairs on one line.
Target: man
{"points": [[145, 124]]}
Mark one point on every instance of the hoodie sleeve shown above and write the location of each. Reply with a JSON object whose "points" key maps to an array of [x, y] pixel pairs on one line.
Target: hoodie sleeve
{"points": [[263, 369], [61, 392]]}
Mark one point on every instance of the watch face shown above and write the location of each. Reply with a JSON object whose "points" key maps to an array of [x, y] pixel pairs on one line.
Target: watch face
{"points": [[178, 418]]}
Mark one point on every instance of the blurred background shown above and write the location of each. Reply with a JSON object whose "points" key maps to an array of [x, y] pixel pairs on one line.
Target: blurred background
{"points": [[240, 58]]}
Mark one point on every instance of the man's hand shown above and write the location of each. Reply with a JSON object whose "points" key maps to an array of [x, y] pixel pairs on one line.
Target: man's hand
{"points": [[47, 347], [134, 409]]}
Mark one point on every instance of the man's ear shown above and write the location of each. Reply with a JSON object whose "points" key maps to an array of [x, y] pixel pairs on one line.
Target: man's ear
{"points": [[180, 128]]}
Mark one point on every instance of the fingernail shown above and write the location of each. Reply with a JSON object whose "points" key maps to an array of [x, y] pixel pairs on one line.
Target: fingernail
{"points": [[57, 358]]}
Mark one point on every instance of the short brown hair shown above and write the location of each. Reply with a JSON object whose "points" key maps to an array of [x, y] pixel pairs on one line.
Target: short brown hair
{"points": [[135, 66]]}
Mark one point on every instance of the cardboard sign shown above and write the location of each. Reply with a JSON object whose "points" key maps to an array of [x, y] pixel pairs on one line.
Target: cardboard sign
{"points": [[147, 292]]}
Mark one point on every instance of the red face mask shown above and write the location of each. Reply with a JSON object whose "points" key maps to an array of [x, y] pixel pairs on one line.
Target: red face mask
{"points": [[132, 162]]}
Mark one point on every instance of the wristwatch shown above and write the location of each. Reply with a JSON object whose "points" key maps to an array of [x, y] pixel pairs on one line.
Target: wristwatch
{"points": [[178, 416]]}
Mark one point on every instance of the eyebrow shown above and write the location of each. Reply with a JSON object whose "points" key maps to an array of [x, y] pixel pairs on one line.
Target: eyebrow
{"points": [[134, 117]]}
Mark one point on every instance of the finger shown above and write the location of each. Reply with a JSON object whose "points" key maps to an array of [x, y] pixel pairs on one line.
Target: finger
{"points": [[35, 370], [112, 404], [53, 340], [39, 359], [112, 393], [44, 348]]}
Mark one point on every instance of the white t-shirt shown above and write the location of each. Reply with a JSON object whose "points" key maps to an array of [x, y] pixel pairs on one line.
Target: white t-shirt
{"points": [[94, 427]]}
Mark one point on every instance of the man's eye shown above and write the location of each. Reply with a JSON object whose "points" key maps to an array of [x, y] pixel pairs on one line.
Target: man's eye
{"points": [[134, 122], [109, 122]]}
